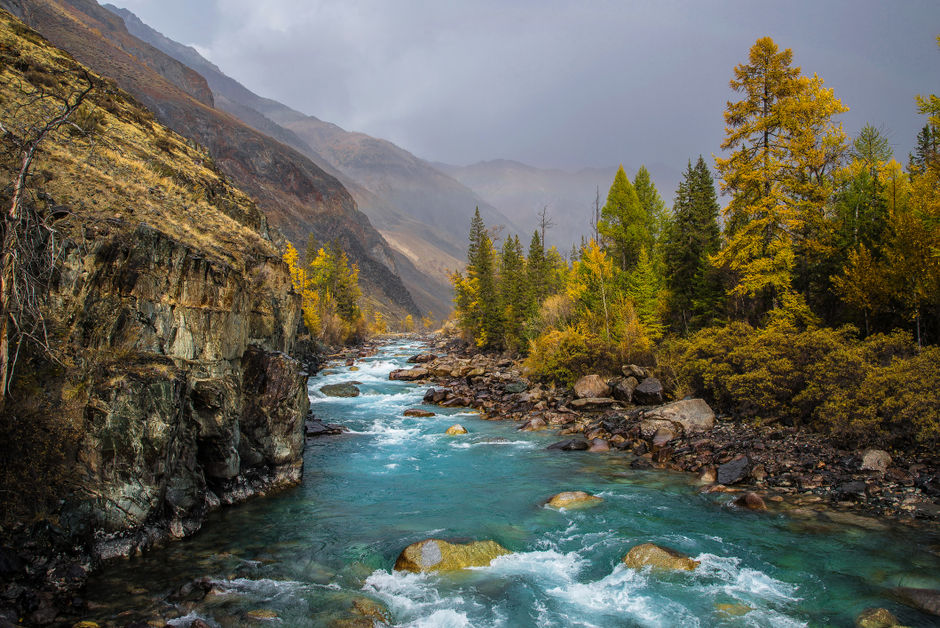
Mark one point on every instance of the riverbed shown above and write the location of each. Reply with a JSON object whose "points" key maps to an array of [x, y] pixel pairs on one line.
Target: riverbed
{"points": [[306, 556]]}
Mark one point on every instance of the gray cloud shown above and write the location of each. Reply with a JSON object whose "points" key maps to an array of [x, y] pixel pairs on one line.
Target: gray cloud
{"points": [[555, 83]]}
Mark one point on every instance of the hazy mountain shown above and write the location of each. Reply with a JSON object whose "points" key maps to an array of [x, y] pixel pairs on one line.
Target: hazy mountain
{"points": [[423, 213], [297, 195], [521, 192]]}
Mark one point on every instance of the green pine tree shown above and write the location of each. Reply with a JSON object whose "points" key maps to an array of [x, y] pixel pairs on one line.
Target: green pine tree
{"points": [[623, 225], [652, 205]]}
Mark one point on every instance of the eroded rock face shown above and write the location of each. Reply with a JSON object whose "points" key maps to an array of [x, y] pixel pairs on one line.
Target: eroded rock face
{"points": [[204, 406], [438, 555], [657, 557]]}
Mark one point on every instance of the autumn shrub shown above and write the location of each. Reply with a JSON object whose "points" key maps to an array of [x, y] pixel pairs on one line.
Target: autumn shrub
{"points": [[877, 390], [562, 356]]}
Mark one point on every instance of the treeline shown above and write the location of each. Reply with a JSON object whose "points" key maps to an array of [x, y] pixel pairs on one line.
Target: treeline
{"points": [[820, 233]]}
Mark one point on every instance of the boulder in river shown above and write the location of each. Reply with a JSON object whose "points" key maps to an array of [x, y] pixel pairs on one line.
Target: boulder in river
{"points": [[875, 460], [408, 375], [591, 386], [649, 392], [599, 445], [572, 444], [926, 600], [345, 389], [694, 415], [734, 470], [319, 428], [422, 358], [438, 555], [876, 618], [657, 557], [573, 499], [435, 395], [456, 429], [418, 412], [750, 501], [535, 424]]}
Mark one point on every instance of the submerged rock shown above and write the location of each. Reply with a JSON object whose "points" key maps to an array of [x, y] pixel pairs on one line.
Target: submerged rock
{"points": [[418, 412], [926, 600], [369, 608], [651, 555], [750, 501], [319, 428], [438, 555], [733, 610], [262, 614], [535, 424], [456, 429], [340, 390], [572, 444], [876, 618], [599, 445], [574, 499]]}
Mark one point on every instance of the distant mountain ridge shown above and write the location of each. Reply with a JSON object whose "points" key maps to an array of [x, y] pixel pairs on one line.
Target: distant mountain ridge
{"points": [[423, 213]]}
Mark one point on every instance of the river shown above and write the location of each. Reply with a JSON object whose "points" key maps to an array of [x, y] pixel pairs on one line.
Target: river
{"points": [[302, 557]]}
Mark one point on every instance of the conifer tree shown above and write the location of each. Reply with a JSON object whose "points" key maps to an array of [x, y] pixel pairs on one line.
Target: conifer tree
{"points": [[475, 294], [692, 237], [645, 289], [513, 292], [537, 271], [623, 225], [652, 206], [783, 147]]}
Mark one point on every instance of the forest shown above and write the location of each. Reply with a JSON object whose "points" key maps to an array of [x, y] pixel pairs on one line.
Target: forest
{"points": [[811, 298]]}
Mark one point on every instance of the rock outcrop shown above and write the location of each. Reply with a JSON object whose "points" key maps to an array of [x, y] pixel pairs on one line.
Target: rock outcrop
{"points": [[574, 499], [438, 555]]}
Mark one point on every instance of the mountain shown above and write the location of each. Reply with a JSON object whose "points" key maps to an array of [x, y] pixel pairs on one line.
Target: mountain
{"points": [[422, 212], [298, 196], [162, 386], [522, 191]]}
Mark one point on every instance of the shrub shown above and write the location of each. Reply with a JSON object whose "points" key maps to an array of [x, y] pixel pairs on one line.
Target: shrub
{"points": [[564, 355]]}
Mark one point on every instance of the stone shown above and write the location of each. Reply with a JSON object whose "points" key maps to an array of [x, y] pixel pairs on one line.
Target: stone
{"points": [[319, 428], [340, 390], [850, 490], [592, 402], [876, 618], [572, 444], [659, 558], [438, 555], [708, 475], [599, 445], [663, 436], [422, 358], [623, 389], [694, 415], [535, 424], [733, 471], [649, 427], [733, 610], [875, 460], [418, 412], [86, 624], [591, 386], [649, 392], [574, 499], [515, 387], [366, 607], [456, 429], [926, 600], [408, 375], [750, 501], [262, 614], [632, 370], [435, 395], [353, 369], [759, 473]]}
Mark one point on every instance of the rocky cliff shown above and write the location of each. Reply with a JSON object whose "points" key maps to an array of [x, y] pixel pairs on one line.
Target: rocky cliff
{"points": [[298, 196], [165, 389]]}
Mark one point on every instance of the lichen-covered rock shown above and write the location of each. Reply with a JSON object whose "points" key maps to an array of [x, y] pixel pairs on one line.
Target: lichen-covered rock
{"points": [[456, 429], [657, 557], [876, 618], [574, 499], [438, 555], [694, 415], [591, 386], [875, 460]]}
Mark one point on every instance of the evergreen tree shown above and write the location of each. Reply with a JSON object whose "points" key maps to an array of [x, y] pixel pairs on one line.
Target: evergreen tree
{"points": [[537, 269], [513, 292], [475, 294], [645, 289], [691, 238], [623, 225], [926, 149], [652, 206]]}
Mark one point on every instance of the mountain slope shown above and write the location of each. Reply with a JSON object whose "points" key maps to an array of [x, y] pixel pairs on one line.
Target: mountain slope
{"points": [[423, 213], [296, 194]]}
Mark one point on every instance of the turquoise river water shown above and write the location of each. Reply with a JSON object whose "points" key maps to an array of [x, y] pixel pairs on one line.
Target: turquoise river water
{"points": [[303, 556]]}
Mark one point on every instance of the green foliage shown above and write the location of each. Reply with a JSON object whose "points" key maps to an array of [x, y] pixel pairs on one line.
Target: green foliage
{"points": [[564, 355], [654, 209], [622, 224]]}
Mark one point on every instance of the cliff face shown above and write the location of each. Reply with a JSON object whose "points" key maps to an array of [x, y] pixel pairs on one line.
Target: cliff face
{"points": [[166, 389], [297, 195]]}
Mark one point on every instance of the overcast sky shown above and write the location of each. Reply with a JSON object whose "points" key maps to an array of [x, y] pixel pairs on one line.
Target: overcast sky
{"points": [[556, 83]]}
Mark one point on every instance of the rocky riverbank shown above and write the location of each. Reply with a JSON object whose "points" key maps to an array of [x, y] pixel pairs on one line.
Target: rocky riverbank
{"points": [[771, 466]]}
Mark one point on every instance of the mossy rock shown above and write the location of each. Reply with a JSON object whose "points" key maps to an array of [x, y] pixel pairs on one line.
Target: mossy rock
{"points": [[456, 429], [340, 390], [438, 555], [733, 610], [574, 499], [262, 614], [876, 618], [367, 607], [659, 558]]}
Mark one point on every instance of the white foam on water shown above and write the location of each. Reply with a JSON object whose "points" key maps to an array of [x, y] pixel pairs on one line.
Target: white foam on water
{"points": [[415, 599], [744, 583], [188, 619], [545, 565], [620, 593], [263, 588]]}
